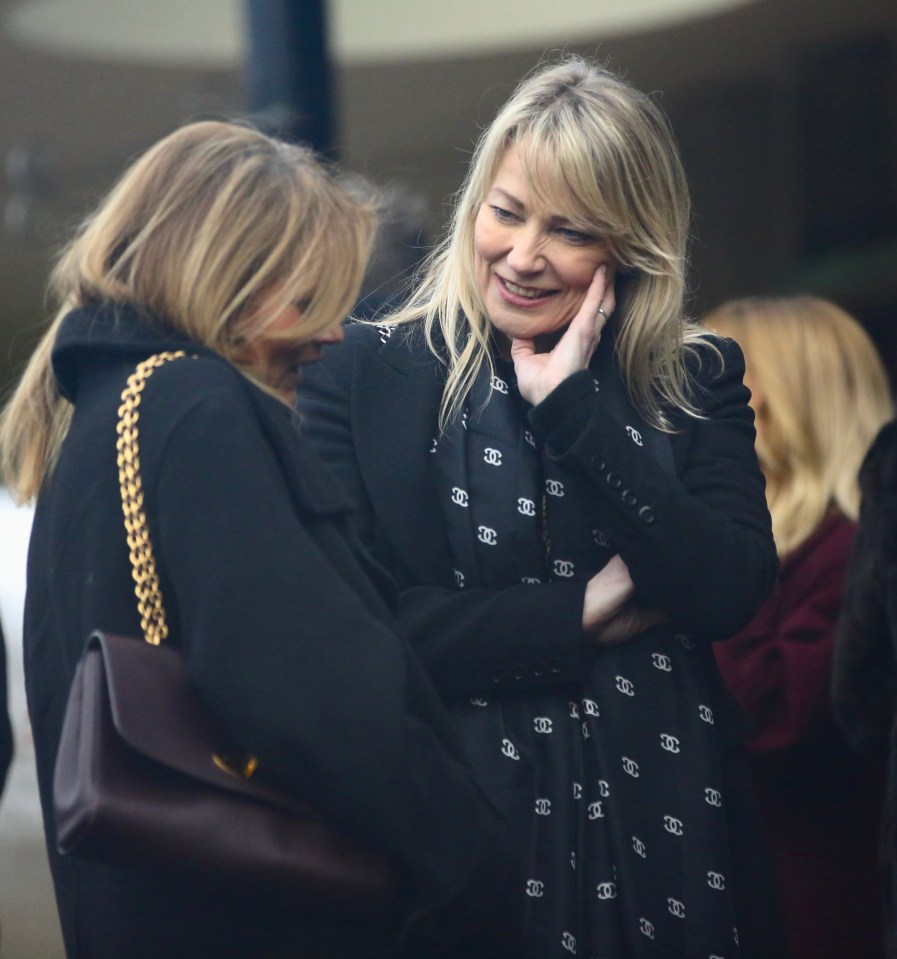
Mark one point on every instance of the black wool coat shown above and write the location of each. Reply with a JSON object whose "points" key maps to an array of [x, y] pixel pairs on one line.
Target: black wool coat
{"points": [[694, 532], [289, 642], [686, 511]]}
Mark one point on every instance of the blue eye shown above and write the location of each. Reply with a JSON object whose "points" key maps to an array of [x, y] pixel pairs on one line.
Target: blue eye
{"points": [[575, 236], [502, 214]]}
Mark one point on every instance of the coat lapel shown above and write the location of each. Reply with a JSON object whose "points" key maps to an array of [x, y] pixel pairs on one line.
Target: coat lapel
{"points": [[395, 403]]}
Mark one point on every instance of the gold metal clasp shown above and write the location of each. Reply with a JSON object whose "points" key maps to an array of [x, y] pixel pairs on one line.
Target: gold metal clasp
{"points": [[242, 767]]}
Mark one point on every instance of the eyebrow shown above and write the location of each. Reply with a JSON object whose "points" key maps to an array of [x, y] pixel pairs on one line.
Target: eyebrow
{"points": [[509, 197]]}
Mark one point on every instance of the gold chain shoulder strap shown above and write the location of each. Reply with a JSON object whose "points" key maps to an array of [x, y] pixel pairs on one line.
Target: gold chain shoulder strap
{"points": [[143, 565]]}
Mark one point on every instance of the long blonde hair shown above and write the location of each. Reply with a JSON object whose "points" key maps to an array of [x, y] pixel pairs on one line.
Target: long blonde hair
{"points": [[822, 395], [207, 224], [603, 154]]}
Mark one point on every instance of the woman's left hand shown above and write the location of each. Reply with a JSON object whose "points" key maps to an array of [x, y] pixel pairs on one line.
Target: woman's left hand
{"points": [[539, 373]]}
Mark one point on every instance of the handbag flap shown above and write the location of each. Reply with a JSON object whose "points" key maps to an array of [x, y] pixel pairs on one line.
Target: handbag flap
{"points": [[157, 712]]}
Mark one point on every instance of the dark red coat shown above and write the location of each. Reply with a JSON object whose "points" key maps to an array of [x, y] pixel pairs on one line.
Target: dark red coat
{"points": [[820, 802]]}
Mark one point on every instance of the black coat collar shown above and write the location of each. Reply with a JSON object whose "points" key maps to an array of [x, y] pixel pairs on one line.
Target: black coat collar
{"points": [[396, 393]]}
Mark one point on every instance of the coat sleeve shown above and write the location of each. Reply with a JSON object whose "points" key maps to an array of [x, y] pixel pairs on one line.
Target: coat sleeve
{"points": [[300, 672], [779, 666], [698, 544], [471, 641], [864, 673]]}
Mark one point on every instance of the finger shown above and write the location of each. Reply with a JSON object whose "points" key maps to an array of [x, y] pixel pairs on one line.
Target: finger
{"points": [[522, 348]]}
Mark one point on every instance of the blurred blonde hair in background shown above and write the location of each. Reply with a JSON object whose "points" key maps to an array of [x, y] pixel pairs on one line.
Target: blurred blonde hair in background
{"points": [[821, 395]]}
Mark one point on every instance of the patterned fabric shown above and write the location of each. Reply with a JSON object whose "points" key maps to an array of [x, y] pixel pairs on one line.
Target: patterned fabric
{"points": [[615, 784]]}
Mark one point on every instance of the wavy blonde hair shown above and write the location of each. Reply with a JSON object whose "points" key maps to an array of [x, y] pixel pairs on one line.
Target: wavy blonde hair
{"points": [[821, 396], [603, 155], [213, 223]]}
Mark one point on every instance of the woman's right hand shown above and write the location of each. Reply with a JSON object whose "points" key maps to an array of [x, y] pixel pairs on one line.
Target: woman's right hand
{"points": [[606, 593], [630, 621]]}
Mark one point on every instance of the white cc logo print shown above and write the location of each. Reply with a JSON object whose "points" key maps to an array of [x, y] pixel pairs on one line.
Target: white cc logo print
{"points": [[590, 707], [535, 888], [716, 880], [509, 749], [499, 385], [492, 456], [647, 928], [459, 496], [662, 662], [625, 686], [606, 890], [563, 567], [713, 796], [676, 908], [543, 807], [630, 766], [669, 743], [542, 724], [672, 825], [706, 713], [634, 435], [487, 535], [554, 487], [596, 810], [526, 506], [639, 847], [569, 943]]}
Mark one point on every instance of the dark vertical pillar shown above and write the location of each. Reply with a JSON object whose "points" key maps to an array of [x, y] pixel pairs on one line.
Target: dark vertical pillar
{"points": [[288, 77]]}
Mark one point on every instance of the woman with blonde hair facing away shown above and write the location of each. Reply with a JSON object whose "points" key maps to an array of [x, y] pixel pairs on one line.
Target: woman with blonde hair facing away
{"points": [[242, 252], [820, 395], [558, 469]]}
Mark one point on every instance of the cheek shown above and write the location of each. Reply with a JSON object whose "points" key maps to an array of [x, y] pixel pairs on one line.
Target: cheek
{"points": [[577, 271], [486, 239]]}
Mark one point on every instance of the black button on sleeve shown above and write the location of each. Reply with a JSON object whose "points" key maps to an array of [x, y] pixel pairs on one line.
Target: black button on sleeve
{"points": [[614, 481], [629, 497], [646, 515]]}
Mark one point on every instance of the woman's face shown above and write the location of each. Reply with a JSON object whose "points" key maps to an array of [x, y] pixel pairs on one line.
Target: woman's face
{"points": [[533, 269], [276, 358]]}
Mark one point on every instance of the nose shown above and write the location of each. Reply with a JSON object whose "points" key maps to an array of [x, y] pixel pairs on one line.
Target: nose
{"points": [[525, 253], [333, 335]]}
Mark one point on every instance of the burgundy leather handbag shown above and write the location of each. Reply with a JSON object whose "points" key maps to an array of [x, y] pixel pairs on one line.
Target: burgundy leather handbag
{"points": [[143, 778]]}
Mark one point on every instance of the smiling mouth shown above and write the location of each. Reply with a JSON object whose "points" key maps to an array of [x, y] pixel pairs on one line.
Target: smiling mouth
{"points": [[527, 292]]}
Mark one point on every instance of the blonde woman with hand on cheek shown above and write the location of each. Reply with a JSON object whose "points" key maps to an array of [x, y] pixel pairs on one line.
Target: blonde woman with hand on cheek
{"points": [[558, 470]]}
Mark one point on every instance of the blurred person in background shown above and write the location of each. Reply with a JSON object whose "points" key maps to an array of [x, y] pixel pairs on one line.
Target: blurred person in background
{"points": [[820, 394], [400, 244], [864, 683], [245, 253], [559, 470], [6, 742]]}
